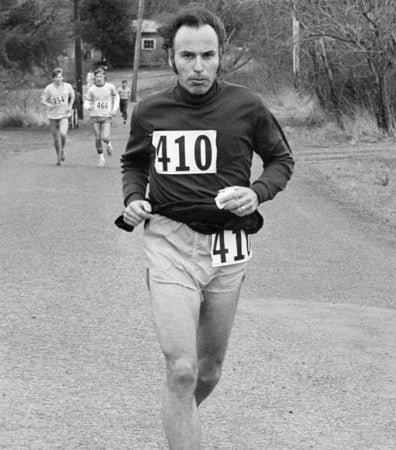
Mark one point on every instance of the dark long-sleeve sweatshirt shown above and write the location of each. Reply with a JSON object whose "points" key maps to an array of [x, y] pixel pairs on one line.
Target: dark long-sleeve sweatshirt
{"points": [[187, 147]]}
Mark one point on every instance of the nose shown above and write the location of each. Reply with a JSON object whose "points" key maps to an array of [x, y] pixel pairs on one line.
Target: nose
{"points": [[198, 65]]}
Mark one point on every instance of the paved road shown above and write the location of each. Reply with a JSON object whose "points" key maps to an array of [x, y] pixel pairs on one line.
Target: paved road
{"points": [[311, 357]]}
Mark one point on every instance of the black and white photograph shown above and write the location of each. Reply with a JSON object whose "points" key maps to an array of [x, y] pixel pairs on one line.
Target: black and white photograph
{"points": [[197, 224]]}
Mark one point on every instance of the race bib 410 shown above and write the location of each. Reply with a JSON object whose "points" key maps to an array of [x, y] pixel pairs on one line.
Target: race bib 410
{"points": [[230, 247], [185, 152]]}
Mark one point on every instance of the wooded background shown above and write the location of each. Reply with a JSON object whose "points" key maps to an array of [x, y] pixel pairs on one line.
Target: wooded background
{"points": [[343, 51]]}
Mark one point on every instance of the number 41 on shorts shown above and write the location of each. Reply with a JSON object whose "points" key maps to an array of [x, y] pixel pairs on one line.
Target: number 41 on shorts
{"points": [[230, 247]]}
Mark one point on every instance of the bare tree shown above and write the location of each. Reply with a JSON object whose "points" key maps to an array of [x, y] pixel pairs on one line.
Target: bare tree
{"points": [[351, 38]]}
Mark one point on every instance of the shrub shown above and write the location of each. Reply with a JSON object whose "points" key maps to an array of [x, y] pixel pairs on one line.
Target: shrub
{"points": [[254, 76], [22, 108], [297, 109], [362, 125]]}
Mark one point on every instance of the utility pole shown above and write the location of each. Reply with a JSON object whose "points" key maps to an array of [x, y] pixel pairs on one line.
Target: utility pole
{"points": [[296, 49], [137, 51], [78, 54]]}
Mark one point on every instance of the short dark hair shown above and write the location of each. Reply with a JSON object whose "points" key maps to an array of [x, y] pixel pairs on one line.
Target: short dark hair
{"points": [[100, 70], [193, 15], [56, 72]]}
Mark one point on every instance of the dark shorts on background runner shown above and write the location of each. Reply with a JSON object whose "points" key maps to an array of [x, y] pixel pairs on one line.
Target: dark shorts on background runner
{"points": [[98, 119]]}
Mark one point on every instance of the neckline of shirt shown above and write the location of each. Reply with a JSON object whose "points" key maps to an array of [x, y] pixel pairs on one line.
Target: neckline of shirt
{"points": [[184, 96]]}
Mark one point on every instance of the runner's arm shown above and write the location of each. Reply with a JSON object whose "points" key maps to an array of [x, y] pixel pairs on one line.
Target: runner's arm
{"points": [[277, 157], [116, 101], [44, 99], [88, 102], [72, 96], [135, 162]]}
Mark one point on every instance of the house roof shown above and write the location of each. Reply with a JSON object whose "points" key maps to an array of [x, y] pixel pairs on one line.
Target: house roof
{"points": [[148, 26]]}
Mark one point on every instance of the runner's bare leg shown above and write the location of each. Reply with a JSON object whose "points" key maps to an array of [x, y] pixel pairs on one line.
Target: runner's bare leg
{"points": [[57, 139], [215, 324], [176, 315]]}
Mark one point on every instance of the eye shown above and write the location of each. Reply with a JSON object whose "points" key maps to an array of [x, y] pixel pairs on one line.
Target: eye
{"points": [[208, 55], [188, 55]]}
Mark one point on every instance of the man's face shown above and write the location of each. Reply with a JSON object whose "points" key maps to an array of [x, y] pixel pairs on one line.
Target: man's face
{"points": [[196, 58], [99, 79], [58, 79]]}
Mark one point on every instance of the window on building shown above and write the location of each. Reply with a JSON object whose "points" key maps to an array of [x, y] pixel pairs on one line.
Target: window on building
{"points": [[148, 44]]}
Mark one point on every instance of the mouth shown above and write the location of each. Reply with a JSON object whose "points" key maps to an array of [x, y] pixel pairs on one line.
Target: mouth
{"points": [[198, 81]]}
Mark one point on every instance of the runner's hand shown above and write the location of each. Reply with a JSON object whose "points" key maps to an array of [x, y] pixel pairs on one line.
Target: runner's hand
{"points": [[242, 201], [136, 212], [88, 105]]}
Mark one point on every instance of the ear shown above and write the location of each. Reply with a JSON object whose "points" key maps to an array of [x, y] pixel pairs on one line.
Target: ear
{"points": [[171, 58], [171, 61]]}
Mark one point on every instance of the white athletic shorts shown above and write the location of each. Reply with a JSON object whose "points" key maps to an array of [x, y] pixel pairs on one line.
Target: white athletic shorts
{"points": [[176, 254]]}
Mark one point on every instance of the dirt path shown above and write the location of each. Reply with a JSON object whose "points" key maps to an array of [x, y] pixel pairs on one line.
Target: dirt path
{"points": [[311, 356]]}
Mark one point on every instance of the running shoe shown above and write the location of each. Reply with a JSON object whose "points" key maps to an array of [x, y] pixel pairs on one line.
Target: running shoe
{"points": [[101, 161], [109, 149]]}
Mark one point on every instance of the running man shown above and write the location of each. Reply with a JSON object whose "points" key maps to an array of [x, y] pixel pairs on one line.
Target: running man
{"points": [[77, 105], [58, 97], [193, 144], [90, 79], [102, 101], [124, 93]]}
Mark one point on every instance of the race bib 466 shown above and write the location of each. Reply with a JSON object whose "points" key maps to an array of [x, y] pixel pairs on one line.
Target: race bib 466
{"points": [[185, 152], [230, 247], [102, 106]]}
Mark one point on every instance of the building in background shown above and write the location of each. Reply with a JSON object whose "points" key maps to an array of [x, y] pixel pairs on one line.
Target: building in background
{"points": [[151, 51]]}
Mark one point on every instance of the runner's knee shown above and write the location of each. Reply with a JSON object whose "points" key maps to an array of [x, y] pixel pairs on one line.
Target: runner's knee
{"points": [[182, 375], [210, 370]]}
